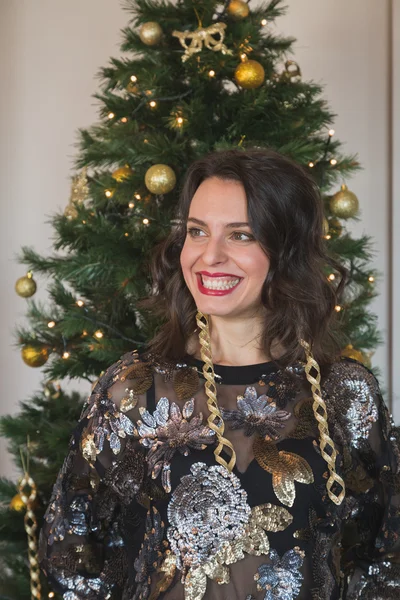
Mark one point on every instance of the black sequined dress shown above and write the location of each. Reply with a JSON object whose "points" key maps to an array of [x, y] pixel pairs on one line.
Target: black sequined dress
{"points": [[142, 510]]}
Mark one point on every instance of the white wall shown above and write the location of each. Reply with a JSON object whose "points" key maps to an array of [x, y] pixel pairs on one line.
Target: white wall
{"points": [[49, 55]]}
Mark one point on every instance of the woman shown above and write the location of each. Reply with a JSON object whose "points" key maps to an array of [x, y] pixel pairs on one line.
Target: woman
{"points": [[237, 458]]}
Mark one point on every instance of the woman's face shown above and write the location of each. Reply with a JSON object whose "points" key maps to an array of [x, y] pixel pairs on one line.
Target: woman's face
{"points": [[218, 242]]}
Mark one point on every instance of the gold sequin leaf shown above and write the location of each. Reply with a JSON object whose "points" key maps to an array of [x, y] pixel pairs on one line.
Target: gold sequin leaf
{"points": [[285, 468], [186, 383]]}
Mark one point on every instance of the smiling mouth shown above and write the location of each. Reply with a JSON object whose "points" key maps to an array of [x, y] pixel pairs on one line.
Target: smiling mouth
{"points": [[219, 283]]}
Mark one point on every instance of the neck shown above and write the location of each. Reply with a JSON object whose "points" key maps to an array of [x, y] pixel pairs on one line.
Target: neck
{"points": [[234, 342]]}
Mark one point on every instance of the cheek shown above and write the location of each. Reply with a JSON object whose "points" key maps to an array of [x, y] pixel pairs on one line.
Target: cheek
{"points": [[255, 264]]}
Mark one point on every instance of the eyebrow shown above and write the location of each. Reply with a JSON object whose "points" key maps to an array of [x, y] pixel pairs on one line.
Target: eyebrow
{"points": [[237, 224]]}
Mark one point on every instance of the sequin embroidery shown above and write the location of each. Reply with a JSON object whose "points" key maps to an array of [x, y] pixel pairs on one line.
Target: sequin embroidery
{"points": [[168, 430], [256, 414], [281, 578], [353, 389], [285, 468]]}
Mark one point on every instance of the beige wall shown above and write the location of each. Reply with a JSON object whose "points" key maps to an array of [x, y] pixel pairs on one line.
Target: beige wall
{"points": [[49, 55]]}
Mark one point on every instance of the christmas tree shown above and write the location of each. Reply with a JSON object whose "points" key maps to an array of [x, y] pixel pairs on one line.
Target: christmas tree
{"points": [[194, 77]]}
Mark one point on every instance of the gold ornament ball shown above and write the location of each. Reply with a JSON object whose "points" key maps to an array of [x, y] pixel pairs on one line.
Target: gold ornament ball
{"points": [[17, 503], [344, 204], [249, 74], [150, 33], [160, 179], [25, 286], [122, 173], [132, 88], [70, 211], [335, 227], [34, 356], [237, 9]]}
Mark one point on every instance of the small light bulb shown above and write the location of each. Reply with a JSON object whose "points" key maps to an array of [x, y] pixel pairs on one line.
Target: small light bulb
{"points": [[264, 22], [84, 222], [111, 115], [124, 120], [137, 196], [327, 236], [331, 132], [126, 234], [371, 279], [338, 308], [145, 141], [243, 56], [66, 355], [131, 204], [149, 93], [80, 302], [153, 104], [211, 73], [99, 334], [332, 277], [333, 161], [51, 324], [84, 332], [133, 78], [108, 193], [146, 221], [179, 120], [310, 164], [51, 594]]}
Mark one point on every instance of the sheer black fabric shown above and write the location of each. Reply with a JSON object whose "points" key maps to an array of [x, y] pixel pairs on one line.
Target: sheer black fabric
{"points": [[141, 509]]}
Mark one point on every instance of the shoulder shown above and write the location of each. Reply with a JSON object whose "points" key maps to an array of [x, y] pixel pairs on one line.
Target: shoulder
{"points": [[348, 374], [126, 382], [130, 372], [352, 395]]}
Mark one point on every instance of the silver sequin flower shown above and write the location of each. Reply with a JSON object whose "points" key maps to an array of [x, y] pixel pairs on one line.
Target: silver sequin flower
{"points": [[256, 415], [207, 509], [281, 578], [362, 412], [168, 430], [353, 389]]}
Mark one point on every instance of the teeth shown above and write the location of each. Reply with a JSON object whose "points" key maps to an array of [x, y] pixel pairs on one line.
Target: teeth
{"points": [[219, 283]]}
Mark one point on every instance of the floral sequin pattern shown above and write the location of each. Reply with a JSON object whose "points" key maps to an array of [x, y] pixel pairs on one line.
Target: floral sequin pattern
{"points": [[79, 587], [256, 414], [212, 527], [67, 518], [281, 578], [283, 384], [168, 430], [353, 389], [150, 553], [106, 422], [207, 508]]}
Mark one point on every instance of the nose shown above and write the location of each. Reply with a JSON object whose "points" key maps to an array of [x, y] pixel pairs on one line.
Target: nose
{"points": [[214, 252]]}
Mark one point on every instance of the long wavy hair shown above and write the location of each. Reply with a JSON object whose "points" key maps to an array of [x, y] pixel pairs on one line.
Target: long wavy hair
{"points": [[285, 213]]}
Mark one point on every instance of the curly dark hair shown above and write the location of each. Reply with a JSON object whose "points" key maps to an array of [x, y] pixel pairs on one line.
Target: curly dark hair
{"points": [[285, 213]]}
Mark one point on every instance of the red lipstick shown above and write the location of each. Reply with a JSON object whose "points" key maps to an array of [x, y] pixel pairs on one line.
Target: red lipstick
{"points": [[209, 292]]}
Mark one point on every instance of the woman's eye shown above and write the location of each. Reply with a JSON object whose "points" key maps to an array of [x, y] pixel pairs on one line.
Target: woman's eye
{"points": [[248, 237], [191, 231]]}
